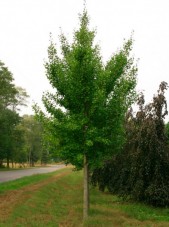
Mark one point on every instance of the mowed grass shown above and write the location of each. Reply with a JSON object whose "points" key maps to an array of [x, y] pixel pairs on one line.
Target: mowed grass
{"points": [[9, 169], [55, 199]]}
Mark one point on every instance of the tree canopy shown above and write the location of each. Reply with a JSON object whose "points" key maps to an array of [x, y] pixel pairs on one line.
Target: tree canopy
{"points": [[87, 110]]}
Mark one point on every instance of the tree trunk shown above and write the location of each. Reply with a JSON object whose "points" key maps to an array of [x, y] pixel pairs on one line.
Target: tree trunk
{"points": [[1, 162], [30, 159], [86, 189], [7, 162]]}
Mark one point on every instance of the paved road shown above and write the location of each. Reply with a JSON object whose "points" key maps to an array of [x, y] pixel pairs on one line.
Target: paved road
{"points": [[15, 174]]}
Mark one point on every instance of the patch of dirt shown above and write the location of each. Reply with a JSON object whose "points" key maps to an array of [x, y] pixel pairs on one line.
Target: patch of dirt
{"points": [[11, 198]]}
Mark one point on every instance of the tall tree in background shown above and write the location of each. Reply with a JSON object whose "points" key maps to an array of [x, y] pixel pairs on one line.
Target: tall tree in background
{"points": [[11, 98], [8, 90], [87, 111], [19, 154], [8, 119], [8, 122]]}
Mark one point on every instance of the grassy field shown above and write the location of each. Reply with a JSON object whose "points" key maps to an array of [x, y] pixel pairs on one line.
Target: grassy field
{"points": [[55, 199]]}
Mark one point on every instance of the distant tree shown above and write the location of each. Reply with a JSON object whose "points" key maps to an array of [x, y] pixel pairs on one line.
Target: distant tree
{"points": [[8, 118], [141, 169], [45, 157], [20, 99], [8, 121], [19, 154], [8, 90], [32, 131], [87, 111], [11, 98]]}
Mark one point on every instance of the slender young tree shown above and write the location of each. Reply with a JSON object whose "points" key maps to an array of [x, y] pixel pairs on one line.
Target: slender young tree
{"points": [[87, 110]]}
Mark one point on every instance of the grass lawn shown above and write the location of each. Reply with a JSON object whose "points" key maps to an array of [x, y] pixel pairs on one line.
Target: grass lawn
{"points": [[8, 169], [55, 199]]}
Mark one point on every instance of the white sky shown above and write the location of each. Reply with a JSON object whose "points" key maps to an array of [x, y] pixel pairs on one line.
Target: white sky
{"points": [[25, 26]]}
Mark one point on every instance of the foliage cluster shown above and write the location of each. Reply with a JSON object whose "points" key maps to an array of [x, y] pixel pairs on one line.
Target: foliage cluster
{"points": [[141, 170]]}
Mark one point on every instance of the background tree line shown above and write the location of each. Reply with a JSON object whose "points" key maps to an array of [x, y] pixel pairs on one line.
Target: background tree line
{"points": [[20, 137]]}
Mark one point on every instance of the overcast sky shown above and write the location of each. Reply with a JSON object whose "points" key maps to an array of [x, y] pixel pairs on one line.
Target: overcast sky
{"points": [[25, 26]]}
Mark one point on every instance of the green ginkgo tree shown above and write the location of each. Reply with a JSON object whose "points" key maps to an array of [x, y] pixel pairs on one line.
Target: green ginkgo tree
{"points": [[86, 111]]}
